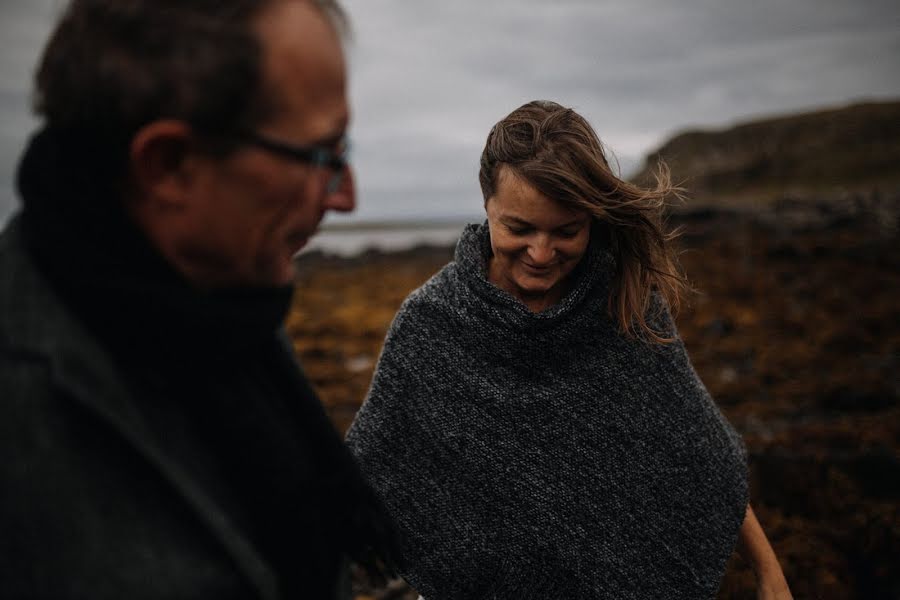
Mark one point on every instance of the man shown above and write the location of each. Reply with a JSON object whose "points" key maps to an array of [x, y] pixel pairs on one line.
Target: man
{"points": [[157, 437]]}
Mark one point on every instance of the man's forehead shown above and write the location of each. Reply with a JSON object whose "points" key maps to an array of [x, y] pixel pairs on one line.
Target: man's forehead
{"points": [[303, 69], [298, 39]]}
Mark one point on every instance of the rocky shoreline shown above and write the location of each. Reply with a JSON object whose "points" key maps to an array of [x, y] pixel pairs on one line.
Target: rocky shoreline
{"points": [[795, 329]]}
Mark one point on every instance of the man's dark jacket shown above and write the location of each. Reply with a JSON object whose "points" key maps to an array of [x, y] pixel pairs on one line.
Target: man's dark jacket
{"points": [[156, 441], [91, 507]]}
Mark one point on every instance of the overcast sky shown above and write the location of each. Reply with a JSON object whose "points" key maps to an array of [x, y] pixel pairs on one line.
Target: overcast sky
{"points": [[430, 78]]}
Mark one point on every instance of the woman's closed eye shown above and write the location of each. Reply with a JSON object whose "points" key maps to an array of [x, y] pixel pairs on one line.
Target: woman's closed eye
{"points": [[519, 229], [569, 232]]}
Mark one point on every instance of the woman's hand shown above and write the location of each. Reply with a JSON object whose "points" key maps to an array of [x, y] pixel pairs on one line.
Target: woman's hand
{"points": [[754, 547], [774, 590], [771, 584]]}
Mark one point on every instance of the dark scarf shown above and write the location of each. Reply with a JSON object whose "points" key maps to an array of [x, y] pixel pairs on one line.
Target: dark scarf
{"points": [[107, 270], [211, 359]]}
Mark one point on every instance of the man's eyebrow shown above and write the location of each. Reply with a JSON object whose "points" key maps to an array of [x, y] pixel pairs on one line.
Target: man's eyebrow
{"points": [[331, 140], [338, 134]]}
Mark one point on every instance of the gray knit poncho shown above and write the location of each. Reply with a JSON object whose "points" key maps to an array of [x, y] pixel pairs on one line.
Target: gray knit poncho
{"points": [[545, 456]]}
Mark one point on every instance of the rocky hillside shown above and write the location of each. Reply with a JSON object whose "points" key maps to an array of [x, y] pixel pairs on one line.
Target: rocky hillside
{"points": [[855, 150]]}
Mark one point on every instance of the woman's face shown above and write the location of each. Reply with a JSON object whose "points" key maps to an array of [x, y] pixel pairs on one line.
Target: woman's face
{"points": [[536, 241]]}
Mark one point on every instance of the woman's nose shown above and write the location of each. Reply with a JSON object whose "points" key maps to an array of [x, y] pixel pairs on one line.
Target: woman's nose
{"points": [[540, 253]]}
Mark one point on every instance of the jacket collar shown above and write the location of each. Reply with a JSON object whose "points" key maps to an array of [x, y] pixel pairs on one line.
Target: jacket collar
{"points": [[34, 322]]}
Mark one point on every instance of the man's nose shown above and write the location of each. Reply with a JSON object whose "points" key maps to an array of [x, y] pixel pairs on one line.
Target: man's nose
{"points": [[343, 198]]}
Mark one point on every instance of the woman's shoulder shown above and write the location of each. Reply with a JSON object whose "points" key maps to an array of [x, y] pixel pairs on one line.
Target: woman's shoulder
{"points": [[660, 318], [439, 311], [439, 292]]}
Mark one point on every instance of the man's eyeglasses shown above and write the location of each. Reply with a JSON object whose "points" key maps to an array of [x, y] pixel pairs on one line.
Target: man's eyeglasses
{"points": [[334, 157]]}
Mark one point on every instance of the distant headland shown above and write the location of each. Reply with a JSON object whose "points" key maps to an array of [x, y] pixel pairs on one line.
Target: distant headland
{"points": [[822, 154]]}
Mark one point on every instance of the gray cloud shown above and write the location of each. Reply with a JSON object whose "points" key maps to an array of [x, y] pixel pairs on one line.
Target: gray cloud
{"points": [[429, 79], [438, 77]]}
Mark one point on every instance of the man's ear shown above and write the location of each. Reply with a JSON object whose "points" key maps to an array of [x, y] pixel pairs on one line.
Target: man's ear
{"points": [[160, 165]]}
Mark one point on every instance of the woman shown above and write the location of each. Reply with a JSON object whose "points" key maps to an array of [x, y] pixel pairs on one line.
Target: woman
{"points": [[534, 423]]}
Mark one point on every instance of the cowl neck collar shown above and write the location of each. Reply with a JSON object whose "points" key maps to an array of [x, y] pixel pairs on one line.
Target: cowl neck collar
{"points": [[111, 276], [590, 282]]}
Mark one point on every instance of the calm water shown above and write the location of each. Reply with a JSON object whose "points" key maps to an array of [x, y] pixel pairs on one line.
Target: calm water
{"points": [[353, 241]]}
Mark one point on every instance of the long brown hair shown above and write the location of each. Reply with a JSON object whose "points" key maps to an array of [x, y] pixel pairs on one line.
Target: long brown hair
{"points": [[555, 150]]}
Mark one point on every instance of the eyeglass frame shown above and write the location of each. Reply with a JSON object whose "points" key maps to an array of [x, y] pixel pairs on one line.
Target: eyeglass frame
{"points": [[316, 155]]}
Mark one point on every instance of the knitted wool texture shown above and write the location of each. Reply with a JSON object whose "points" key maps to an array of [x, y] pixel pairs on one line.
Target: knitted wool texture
{"points": [[546, 455]]}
